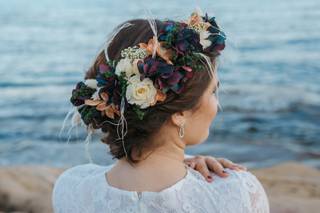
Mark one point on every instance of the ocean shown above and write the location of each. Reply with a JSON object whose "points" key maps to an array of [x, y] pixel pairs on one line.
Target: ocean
{"points": [[269, 73]]}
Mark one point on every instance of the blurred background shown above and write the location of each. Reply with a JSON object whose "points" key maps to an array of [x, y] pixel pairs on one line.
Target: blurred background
{"points": [[269, 72], [270, 92]]}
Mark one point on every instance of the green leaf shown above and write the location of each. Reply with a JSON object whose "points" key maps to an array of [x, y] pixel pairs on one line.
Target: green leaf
{"points": [[123, 83], [139, 112]]}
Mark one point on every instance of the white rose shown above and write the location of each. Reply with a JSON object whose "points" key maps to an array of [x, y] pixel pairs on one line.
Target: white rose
{"points": [[128, 67], [142, 93], [203, 39], [92, 83]]}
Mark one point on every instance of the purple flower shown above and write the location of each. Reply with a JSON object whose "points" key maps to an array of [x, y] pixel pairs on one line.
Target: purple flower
{"points": [[105, 75], [188, 40], [217, 42], [151, 67], [165, 76], [217, 36], [166, 34]]}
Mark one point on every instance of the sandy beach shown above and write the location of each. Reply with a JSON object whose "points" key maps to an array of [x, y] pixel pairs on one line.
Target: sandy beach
{"points": [[291, 188]]}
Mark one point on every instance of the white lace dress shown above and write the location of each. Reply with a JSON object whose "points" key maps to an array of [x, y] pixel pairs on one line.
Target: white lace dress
{"points": [[83, 188]]}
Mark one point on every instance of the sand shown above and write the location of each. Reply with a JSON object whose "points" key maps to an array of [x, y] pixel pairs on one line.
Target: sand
{"points": [[291, 188]]}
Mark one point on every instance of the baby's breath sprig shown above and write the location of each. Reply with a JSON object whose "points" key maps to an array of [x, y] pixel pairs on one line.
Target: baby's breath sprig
{"points": [[134, 53]]}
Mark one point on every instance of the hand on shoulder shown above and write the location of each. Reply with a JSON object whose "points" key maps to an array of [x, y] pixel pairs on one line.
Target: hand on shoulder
{"points": [[206, 164]]}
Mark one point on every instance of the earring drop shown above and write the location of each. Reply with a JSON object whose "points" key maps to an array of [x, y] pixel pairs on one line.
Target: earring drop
{"points": [[181, 131]]}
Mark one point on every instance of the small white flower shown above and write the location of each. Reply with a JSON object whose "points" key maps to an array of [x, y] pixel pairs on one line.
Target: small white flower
{"points": [[142, 93], [92, 83], [203, 39], [127, 66]]}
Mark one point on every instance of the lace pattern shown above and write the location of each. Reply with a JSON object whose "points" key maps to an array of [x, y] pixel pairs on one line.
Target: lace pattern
{"points": [[83, 189]]}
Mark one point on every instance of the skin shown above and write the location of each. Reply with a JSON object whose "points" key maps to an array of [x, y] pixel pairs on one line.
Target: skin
{"points": [[166, 165]]}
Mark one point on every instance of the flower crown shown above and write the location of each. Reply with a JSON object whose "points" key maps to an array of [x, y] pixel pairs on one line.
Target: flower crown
{"points": [[146, 72]]}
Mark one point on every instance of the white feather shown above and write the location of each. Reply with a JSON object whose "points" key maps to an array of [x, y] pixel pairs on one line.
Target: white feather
{"points": [[112, 35], [198, 10], [154, 29], [87, 141]]}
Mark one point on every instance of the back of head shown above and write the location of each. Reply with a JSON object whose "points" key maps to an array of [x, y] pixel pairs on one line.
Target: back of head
{"points": [[141, 79]]}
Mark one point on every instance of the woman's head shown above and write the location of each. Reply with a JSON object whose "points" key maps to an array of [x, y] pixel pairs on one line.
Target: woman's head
{"points": [[194, 105], [197, 119]]}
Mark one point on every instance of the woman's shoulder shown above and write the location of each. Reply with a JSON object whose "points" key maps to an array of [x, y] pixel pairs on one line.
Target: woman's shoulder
{"points": [[79, 170], [237, 181], [235, 178], [79, 173], [71, 180], [238, 177], [240, 190]]}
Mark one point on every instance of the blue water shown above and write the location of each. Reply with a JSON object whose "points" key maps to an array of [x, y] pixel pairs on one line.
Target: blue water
{"points": [[269, 73]]}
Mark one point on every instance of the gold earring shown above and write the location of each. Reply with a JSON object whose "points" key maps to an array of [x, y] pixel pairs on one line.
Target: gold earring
{"points": [[181, 131]]}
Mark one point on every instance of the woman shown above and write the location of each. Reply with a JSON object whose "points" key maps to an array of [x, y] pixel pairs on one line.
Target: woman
{"points": [[152, 91]]}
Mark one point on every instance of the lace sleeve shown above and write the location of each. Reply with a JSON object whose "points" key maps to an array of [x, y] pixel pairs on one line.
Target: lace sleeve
{"points": [[257, 200], [60, 191], [258, 197], [240, 192], [64, 194]]}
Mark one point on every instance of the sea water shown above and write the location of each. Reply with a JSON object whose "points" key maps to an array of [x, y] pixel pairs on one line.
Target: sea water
{"points": [[269, 73]]}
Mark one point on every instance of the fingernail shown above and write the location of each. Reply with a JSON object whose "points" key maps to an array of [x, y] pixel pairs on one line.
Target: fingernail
{"points": [[224, 171]]}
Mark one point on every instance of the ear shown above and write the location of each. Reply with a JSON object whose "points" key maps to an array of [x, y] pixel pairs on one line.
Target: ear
{"points": [[179, 118]]}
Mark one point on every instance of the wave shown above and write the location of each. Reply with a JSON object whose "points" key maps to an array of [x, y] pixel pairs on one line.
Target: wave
{"points": [[263, 98]]}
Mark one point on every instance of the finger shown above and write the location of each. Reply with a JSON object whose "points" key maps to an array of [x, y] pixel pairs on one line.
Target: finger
{"points": [[236, 168], [191, 164], [229, 164], [225, 162], [216, 167], [188, 160], [201, 166], [241, 167]]}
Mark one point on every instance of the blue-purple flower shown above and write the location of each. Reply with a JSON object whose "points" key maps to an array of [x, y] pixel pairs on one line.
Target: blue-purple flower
{"points": [[188, 40]]}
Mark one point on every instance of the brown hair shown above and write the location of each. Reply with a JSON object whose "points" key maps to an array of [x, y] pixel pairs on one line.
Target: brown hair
{"points": [[139, 132]]}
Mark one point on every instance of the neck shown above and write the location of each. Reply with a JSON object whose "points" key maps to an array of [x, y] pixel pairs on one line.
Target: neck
{"points": [[167, 157], [160, 169]]}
